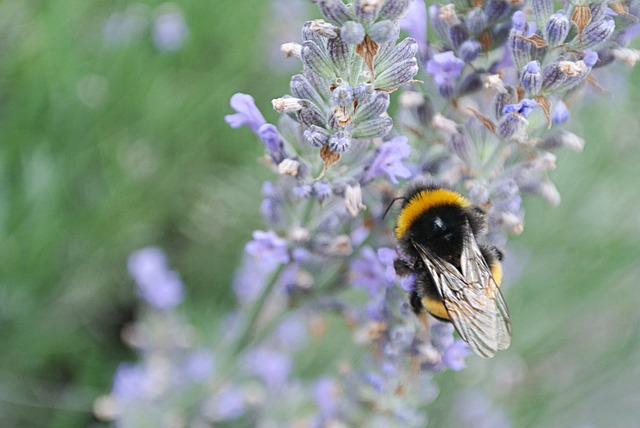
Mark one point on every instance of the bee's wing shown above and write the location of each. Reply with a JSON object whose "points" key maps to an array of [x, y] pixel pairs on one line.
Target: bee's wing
{"points": [[472, 298]]}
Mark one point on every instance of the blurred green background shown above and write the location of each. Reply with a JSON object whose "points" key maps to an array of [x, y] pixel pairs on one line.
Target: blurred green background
{"points": [[109, 143]]}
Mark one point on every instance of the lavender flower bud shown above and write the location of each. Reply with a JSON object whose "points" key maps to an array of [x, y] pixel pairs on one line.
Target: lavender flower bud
{"points": [[316, 136], [363, 92], [289, 167], [552, 77], [367, 10], [403, 51], [286, 104], [316, 60], [343, 95], [382, 31], [436, 21], [590, 58], [504, 189], [353, 199], [531, 78], [319, 83], [509, 125], [460, 144], [308, 33], [469, 50], [597, 32], [476, 21], [457, 34], [377, 105], [563, 139], [373, 128], [352, 32], [322, 190], [496, 10], [598, 10], [334, 10], [626, 55], [339, 53], [268, 133], [447, 90], [340, 142], [519, 21], [471, 82], [478, 193], [310, 114], [324, 29], [291, 50], [557, 28], [502, 99], [397, 75], [521, 50], [542, 10], [394, 10], [514, 118], [302, 191], [301, 88], [560, 113]]}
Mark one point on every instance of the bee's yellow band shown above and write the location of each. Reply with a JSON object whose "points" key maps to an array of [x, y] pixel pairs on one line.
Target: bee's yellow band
{"points": [[424, 201], [496, 272], [435, 308]]}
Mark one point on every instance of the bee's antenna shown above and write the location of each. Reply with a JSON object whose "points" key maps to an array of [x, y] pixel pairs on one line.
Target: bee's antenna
{"points": [[393, 201]]}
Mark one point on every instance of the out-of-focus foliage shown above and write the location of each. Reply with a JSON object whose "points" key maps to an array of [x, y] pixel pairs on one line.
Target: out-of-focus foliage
{"points": [[109, 143]]}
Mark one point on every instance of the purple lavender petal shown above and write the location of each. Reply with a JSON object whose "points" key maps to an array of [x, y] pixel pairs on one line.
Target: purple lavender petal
{"points": [[246, 113], [388, 160]]}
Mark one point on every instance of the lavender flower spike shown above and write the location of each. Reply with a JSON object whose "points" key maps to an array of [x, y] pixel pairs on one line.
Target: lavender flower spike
{"points": [[247, 113]]}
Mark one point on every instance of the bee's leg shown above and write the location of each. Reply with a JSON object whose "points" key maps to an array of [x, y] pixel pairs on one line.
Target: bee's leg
{"points": [[424, 320], [420, 312], [402, 267]]}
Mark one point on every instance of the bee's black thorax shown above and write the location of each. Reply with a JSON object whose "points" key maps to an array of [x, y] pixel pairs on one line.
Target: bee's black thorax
{"points": [[441, 230]]}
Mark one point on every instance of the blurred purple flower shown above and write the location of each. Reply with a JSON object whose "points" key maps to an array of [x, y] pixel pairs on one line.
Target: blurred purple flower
{"points": [[250, 280], [377, 308], [228, 404], [560, 113], [271, 366], [387, 257], [292, 333], [590, 58], [325, 395], [444, 67], [247, 113], [169, 28], [388, 160], [198, 366], [159, 286], [268, 249], [368, 272], [453, 357], [129, 382], [415, 23]]}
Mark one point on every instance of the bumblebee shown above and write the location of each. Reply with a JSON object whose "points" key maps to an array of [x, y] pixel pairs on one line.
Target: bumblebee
{"points": [[457, 275]]}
